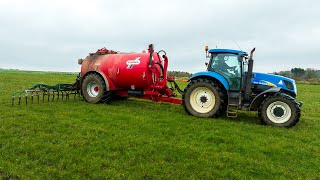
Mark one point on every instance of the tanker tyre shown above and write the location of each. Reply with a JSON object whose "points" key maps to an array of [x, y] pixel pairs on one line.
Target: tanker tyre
{"points": [[94, 89], [279, 110], [204, 98]]}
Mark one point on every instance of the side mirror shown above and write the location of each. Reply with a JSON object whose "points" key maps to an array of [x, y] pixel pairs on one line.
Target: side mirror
{"points": [[240, 57]]}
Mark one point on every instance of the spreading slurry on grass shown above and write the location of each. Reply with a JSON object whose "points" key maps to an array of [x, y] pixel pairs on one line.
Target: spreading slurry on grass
{"points": [[139, 139]]}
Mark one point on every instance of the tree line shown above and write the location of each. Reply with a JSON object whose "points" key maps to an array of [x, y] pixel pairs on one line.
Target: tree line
{"points": [[295, 73], [179, 74], [301, 74]]}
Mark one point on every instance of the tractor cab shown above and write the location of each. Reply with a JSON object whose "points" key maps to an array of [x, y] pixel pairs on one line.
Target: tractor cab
{"points": [[229, 64]]}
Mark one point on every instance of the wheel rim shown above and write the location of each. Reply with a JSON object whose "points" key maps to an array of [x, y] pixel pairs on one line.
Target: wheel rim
{"points": [[279, 112], [93, 89], [202, 100]]}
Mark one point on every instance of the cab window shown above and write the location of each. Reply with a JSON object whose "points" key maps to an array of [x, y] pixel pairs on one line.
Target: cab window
{"points": [[228, 66]]}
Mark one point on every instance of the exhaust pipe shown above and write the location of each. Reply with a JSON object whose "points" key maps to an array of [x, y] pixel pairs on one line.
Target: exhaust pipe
{"points": [[151, 50], [248, 88]]}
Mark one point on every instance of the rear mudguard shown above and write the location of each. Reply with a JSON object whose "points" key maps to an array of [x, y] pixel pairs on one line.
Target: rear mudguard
{"points": [[108, 82], [259, 98]]}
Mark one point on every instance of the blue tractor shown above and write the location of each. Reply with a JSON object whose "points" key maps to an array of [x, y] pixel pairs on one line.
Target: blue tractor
{"points": [[229, 85]]}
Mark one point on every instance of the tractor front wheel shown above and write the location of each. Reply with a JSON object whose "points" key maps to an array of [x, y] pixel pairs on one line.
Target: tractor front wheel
{"points": [[280, 110], [94, 89], [203, 98]]}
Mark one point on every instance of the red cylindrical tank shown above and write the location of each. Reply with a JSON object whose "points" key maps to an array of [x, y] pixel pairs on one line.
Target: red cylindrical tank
{"points": [[131, 71]]}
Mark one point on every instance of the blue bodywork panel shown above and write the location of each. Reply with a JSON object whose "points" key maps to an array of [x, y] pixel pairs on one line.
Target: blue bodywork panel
{"points": [[227, 51], [274, 81], [255, 103], [219, 77], [258, 78]]}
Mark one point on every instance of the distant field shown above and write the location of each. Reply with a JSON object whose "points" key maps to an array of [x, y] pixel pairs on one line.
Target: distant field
{"points": [[146, 140]]}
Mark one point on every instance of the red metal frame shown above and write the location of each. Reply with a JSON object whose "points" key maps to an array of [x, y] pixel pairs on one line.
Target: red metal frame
{"points": [[153, 96]]}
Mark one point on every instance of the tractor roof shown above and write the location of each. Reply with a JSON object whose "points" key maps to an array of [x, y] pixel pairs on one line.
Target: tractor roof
{"points": [[227, 51]]}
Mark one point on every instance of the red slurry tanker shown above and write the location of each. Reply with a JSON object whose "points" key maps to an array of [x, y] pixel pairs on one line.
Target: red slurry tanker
{"points": [[107, 73], [227, 85]]}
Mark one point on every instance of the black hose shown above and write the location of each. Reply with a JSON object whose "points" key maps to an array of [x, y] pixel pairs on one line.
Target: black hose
{"points": [[162, 69], [176, 86], [162, 51]]}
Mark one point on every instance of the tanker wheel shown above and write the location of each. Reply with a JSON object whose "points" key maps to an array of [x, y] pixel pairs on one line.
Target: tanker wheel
{"points": [[280, 110], [94, 89], [203, 98]]}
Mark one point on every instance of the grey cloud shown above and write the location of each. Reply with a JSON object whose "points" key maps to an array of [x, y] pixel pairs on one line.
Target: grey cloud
{"points": [[43, 35]]}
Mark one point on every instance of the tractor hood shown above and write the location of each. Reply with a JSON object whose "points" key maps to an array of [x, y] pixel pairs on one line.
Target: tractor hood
{"points": [[274, 81]]}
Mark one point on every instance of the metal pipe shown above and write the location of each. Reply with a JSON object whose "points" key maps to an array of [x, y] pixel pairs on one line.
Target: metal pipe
{"points": [[248, 88], [151, 50]]}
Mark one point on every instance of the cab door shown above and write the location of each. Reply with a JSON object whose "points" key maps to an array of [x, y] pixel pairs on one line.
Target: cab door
{"points": [[229, 66]]}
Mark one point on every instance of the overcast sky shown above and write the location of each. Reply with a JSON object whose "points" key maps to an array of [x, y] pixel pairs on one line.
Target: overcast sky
{"points": [[51, 35]]}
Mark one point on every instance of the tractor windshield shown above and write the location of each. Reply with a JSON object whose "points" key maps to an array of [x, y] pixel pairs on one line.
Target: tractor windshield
{"points": [[227, 65]]}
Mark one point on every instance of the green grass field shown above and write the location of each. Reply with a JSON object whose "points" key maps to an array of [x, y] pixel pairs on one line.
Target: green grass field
{"points": [[135, 139]]}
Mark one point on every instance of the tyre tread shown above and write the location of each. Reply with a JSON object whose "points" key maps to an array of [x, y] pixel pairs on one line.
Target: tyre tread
{"points": [[223, 102], [106, 97], [288, 97]]}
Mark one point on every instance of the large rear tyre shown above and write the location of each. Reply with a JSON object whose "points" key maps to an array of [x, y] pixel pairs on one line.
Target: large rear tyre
{"points": [[280, 110], [94, 89], [203, 98]]}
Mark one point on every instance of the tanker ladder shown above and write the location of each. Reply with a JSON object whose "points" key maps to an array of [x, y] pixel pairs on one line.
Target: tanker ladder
{"points": [[43, 92]]}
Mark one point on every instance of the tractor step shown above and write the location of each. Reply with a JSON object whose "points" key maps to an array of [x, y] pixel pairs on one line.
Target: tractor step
{"points": [[233, 104], [232, 110]]}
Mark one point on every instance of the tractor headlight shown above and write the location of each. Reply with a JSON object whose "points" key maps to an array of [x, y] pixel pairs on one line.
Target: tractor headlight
{"points": [[295, 88], [289, 85]]}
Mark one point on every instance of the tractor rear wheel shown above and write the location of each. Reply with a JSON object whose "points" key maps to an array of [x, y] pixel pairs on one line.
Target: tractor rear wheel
{"points": [[279, 110], [94, 89], [203, 98]]}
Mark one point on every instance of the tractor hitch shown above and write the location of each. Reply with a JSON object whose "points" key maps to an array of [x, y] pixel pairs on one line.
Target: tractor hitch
{"points": [[175, 86]]}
